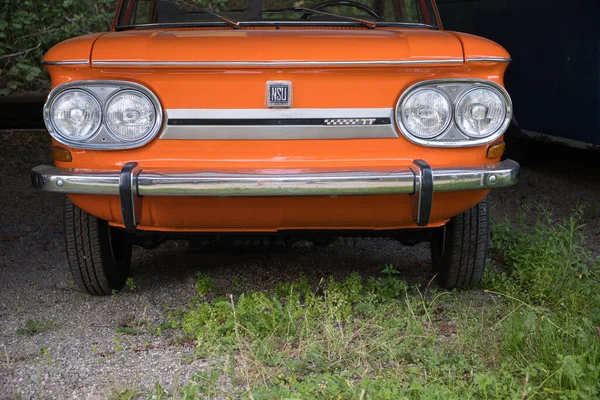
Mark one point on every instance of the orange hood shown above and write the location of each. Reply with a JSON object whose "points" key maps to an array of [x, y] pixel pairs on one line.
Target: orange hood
{"points": [[255, 45]]}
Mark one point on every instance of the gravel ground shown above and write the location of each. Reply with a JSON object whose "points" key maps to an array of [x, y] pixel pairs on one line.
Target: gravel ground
{"points": [[81, 355]]}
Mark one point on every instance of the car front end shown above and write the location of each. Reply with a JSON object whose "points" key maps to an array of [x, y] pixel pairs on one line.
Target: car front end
{"points": [[277, 126]]}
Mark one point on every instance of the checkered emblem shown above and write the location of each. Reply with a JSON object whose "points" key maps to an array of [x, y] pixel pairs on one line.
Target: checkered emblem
{"points": [[350, 121]]}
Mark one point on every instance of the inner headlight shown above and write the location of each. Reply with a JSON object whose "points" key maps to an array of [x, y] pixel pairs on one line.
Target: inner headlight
{"points": [[425, 113], [480, 112], [76, 114], [130, 115]]}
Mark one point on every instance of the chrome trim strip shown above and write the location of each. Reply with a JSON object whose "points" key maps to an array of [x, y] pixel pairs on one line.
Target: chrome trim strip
{"points": [[491, 176], [275, 132], [283, 183], [274, 23], [52, 179], [258, 185], [277, 113], [69, 62], [282, 64], [286, 132], [489, 59]]}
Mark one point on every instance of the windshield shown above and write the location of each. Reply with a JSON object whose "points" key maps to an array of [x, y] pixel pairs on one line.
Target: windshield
{"points": [[240, 13]]}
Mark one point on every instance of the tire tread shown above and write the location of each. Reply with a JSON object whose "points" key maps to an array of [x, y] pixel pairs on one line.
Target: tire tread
{"points": [[465, 248], [89, 253]]}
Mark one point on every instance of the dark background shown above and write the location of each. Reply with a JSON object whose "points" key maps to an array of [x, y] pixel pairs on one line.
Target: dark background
{"points": [[554, 79]]}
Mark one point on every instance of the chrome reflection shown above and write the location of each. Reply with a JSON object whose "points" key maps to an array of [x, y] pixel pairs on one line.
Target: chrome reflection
{"points": [[282, 183]]}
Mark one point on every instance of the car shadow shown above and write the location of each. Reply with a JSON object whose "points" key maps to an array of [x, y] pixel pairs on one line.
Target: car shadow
{"points": [[238, 268]]}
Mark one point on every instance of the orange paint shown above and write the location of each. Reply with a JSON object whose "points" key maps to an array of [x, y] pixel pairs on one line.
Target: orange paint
{"points": [[314, 87], [270, 214]]}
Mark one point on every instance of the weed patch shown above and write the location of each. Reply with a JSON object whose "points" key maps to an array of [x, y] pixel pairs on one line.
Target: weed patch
{"points": [[130, 284], [551, 286], [531, 334], [126, 330], [546, 261], [376, 338], [33, 327]]}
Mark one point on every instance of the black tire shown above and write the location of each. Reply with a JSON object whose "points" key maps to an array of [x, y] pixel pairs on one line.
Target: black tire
{"points": [[99, 255], [459, 250]]}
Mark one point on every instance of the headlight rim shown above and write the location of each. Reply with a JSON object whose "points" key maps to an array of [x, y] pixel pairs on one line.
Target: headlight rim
{"points": [[152, 131], [102, 90], [403, 100], [468, 141], [55, 131], [507, 110]]}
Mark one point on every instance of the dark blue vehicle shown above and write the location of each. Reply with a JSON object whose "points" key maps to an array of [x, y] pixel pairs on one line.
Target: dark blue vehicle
{"points": [[554, 79]]}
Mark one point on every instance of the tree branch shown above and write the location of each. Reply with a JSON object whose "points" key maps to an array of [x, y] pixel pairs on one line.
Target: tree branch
{"points": [[21, 53], [40, 33]]}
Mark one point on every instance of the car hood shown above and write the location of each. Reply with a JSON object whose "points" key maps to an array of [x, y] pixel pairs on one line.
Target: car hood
{"points": [[261, 45]]}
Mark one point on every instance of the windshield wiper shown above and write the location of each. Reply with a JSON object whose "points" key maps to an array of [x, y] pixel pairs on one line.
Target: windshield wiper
{"points": [[230, 22], [367, 23]]}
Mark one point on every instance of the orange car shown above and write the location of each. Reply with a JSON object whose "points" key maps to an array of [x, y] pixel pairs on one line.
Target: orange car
{"points": [[276, 117]]}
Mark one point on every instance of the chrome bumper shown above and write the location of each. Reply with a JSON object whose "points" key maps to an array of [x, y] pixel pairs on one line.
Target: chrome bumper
{"points": [[419, 180]]}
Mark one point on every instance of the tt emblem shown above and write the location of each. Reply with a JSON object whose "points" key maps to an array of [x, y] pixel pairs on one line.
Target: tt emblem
{"points": [[279, 94]]}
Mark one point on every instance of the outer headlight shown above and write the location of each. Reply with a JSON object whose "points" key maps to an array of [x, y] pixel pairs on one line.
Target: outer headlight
{"points": [[425, 113], [480, 112], [453, 112], [130, 115], [103, 115], [76, 114]]}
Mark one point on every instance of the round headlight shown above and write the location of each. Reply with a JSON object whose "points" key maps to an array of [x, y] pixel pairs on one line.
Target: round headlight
{"points": [[130, 115], [425, 113], [76, 114], [481, 112]]}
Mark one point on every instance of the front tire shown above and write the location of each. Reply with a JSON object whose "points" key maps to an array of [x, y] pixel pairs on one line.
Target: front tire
{"points": [[459, 250], [99, 255]]}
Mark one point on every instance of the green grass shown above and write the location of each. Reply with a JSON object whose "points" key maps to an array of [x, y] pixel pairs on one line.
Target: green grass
{"points": [[127, 330], [530, 334], [34, 326]]}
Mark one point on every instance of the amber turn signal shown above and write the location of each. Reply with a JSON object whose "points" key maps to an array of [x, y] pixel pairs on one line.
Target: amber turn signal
{"points": [[496, 150], [61, 154]]}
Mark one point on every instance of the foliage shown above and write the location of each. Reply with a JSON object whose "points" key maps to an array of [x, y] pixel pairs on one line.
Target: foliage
{"points": [[33, 326], [546, 262], [204, 285], [130, 284], [379, 338], [46, 354], [29, 28], [552, 283]]}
